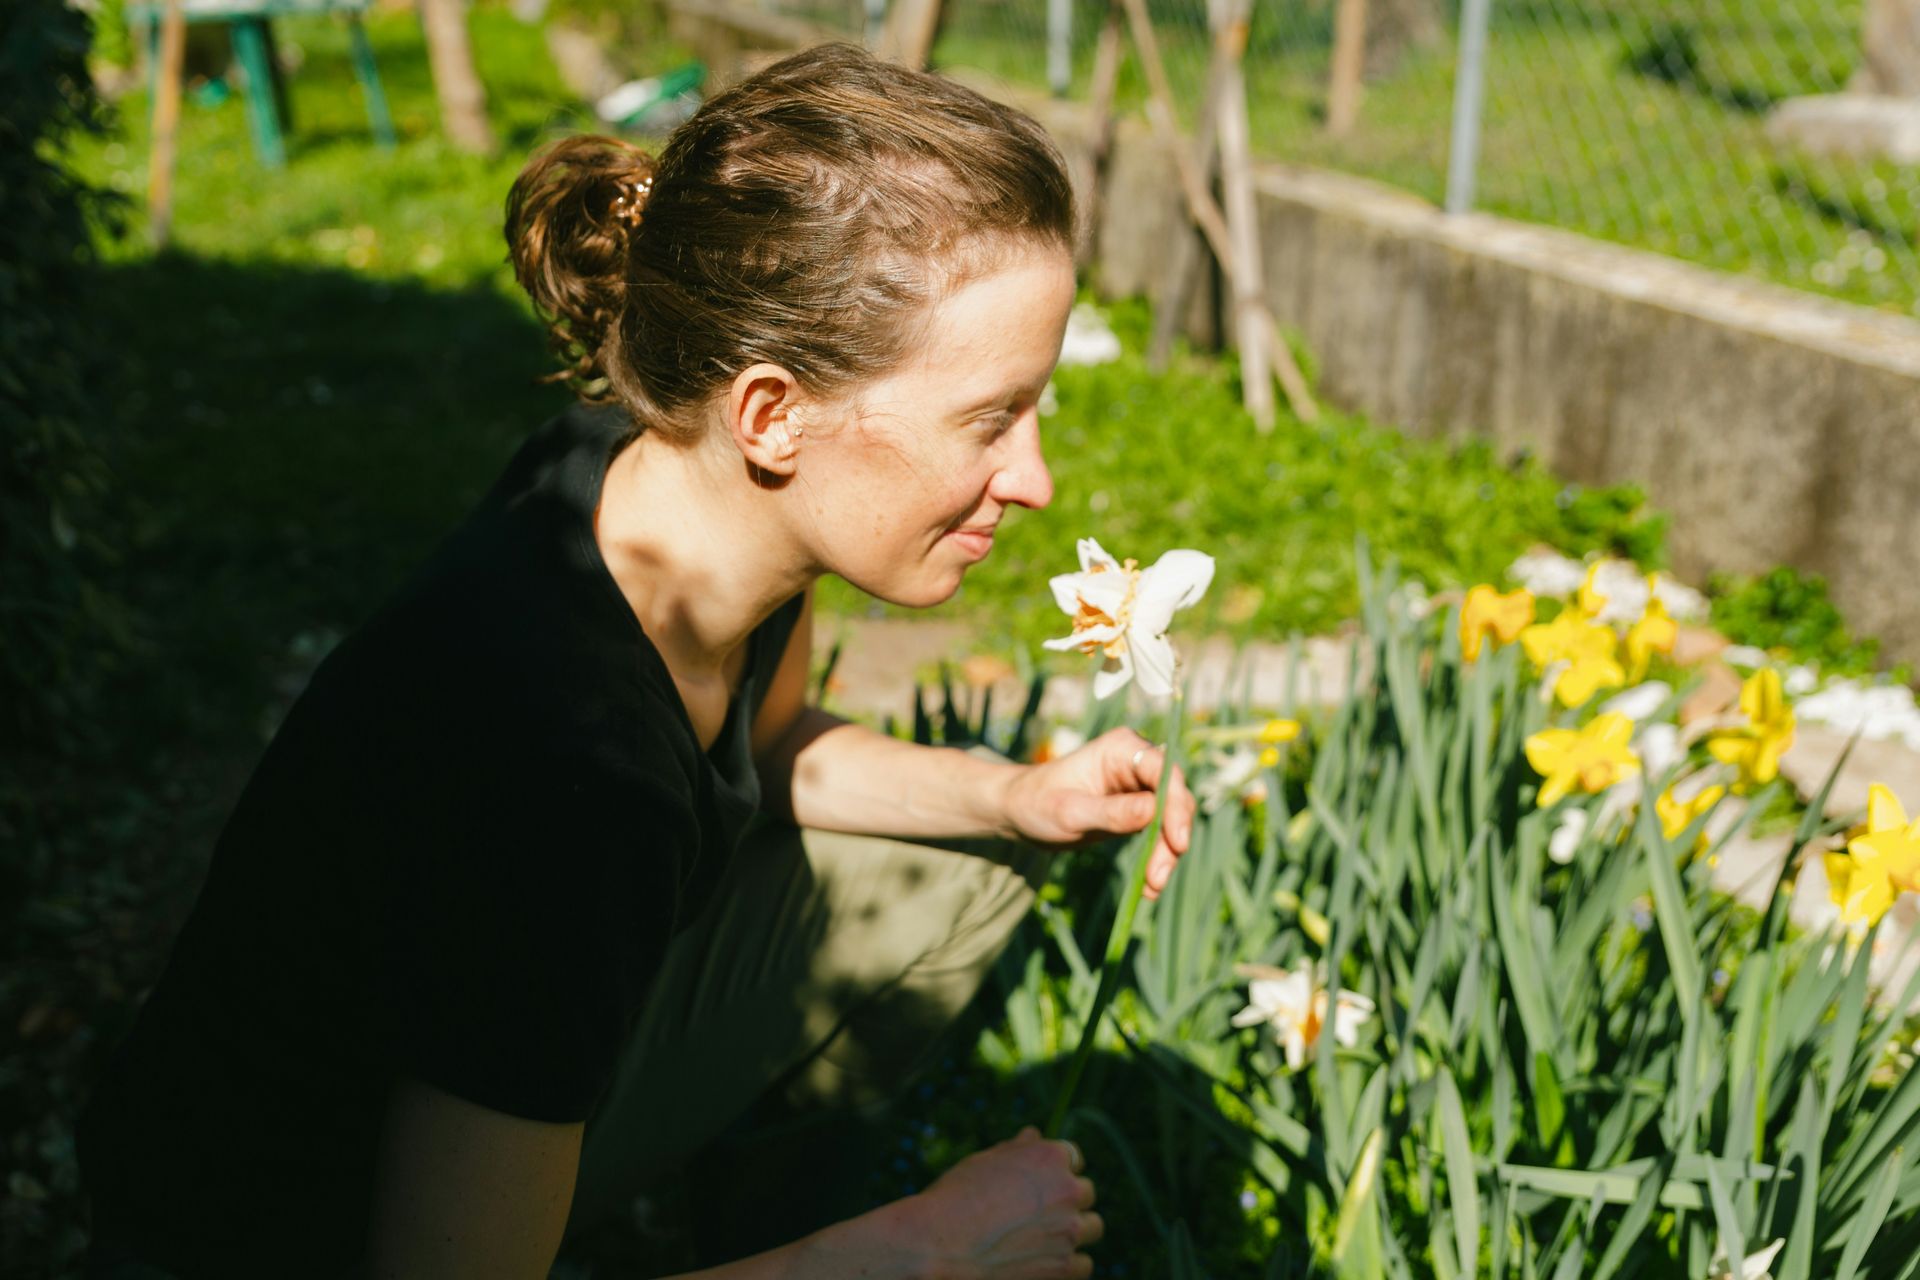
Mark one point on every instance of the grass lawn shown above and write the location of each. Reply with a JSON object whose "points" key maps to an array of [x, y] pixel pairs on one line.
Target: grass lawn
{"points": [[1637, 121]]}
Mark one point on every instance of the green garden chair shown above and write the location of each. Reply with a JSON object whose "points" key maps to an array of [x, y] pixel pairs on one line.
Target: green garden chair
{"points": [[252, 41]]}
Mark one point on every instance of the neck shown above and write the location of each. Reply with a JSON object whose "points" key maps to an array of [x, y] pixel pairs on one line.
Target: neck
{"points": [[699, 550]]}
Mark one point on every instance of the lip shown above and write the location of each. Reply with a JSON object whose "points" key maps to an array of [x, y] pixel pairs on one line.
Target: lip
{"points": [[975, 542]]}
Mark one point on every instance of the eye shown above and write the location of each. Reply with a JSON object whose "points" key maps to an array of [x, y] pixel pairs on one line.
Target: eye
{"points": [[997, 423]]}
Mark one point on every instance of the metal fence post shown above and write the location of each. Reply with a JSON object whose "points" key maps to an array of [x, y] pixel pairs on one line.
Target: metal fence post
{"points": [[1469, 95], [1060, 46]]}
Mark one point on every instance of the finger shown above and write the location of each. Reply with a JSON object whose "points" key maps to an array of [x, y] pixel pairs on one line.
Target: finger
{"points": [[1145, 762], [1076, 1162], [1089, 1230], [1084, 1194], [1159, 869], [1121, 815], [1180, 811]]}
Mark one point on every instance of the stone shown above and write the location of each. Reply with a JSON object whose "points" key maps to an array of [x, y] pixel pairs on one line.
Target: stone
{"points": [[1817, 749], [1718, 693], [1850, 124], [1890, 45]]}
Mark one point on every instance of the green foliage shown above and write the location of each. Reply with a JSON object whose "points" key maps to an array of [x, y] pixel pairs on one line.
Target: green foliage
{"points": [[1789, 612], [59, 622], [1591, 1068]]}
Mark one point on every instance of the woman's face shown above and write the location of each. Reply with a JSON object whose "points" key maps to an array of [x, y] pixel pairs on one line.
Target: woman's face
{"points": [[905, 492]]}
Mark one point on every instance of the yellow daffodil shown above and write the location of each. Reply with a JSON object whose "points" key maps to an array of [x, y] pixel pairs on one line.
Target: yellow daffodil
{"points": [[1756, 749], [1582, 653], [1676, 815], [1878, 866], [1487, 612], [1274, 732], [1656, 632], [1590, 759]]}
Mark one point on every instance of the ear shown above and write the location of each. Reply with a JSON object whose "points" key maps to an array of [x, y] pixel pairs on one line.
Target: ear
{"points": [[760, 417]]}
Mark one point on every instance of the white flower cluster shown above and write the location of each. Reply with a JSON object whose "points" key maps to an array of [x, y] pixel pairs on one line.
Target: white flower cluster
{"points": [[1624, 584]]}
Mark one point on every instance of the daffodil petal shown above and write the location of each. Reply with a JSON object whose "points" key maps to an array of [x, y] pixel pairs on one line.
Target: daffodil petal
{"points": [[1081, 639], [1092, 553], [1884, 811], [1110, 680], [1153, 663], [1176, 580]]}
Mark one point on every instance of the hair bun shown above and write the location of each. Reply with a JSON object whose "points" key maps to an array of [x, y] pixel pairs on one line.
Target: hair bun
{"points": [[570, 218]]}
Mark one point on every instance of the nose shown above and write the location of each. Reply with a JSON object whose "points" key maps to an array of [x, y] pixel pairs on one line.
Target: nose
{"points": [[1023, 479]]}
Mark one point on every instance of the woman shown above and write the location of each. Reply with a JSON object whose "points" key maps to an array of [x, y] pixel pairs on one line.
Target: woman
{"points": [[494, 937]]}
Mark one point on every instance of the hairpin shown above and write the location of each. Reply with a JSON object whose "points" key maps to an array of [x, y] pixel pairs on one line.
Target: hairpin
{"points": [[629, 204]]}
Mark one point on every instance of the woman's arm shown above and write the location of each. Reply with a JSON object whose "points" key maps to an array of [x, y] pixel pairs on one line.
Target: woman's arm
{"points": [[466, 1193], [462, 1192], [821, 771]]}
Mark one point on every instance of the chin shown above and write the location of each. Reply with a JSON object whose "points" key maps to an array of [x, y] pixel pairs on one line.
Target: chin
{"points": [[924, 594]]}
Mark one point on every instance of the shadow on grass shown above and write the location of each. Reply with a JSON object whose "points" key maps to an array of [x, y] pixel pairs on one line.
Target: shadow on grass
{"points": [[1670, 53], [286, 445], [1840, 208], [292, 442]]}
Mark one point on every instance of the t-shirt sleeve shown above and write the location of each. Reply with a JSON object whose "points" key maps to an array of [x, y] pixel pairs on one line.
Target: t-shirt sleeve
{"points": [[518, 932]]}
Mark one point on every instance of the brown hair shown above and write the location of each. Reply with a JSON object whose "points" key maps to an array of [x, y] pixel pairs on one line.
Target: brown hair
{"points": [[806, 217]]}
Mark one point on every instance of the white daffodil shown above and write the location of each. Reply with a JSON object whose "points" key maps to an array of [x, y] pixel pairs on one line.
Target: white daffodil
{"points": [[1122, 612], [1296, 1007], [1753, 1267], [1566, 837], [1879, 711], [1548, 573], [1615, 591], [1681, 601], [1641, 701], [1660, 748], [1235, 775]]}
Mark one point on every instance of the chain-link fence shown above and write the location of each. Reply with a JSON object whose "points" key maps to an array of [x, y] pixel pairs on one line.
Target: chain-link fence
{"points": [[1740, 134]]}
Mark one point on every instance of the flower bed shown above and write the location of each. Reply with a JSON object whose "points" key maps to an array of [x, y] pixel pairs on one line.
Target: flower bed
{"points": [[1549, 1055]]}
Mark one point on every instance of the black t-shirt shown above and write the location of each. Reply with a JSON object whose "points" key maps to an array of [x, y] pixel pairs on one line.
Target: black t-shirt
{"points": [[460, 859]]}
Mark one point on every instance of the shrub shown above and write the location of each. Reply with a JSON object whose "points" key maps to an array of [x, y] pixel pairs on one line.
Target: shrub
{"points": [[57, 617]]}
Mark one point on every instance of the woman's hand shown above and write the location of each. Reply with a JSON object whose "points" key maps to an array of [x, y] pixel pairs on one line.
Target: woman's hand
{"points": [[1018, 1210], [1104, 789]]}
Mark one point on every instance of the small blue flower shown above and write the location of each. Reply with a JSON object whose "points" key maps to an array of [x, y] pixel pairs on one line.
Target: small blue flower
{"points": [[1249, 1201]]}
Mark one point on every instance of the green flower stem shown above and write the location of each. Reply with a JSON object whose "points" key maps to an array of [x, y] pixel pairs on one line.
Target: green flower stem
{"points": [[1122, 932]]}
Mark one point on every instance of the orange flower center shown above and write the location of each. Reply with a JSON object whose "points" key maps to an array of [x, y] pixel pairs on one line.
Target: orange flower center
{"points": [[1090, 616]]}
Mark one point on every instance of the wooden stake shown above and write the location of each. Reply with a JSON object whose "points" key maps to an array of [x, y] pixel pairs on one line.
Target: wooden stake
{"points": [[1186, 263], [909, 34], [463, 99], [166, 122], [1200, 202], [1106, 78], [1236, 182], [1349, 64]]}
